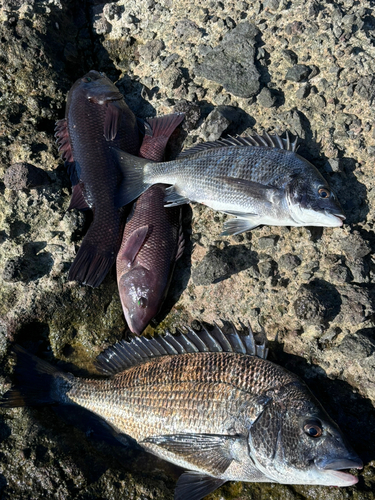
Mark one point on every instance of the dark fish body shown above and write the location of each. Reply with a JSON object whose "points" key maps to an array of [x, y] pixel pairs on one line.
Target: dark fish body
{"points": [[208, 402], [151, 244], [97, 118], [152, 239], [260, 180]]}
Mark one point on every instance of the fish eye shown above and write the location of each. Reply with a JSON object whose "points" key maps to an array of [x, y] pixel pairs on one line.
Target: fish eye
{"points": [[324, 193], [142, 302], [87, 79], [313, 428]]}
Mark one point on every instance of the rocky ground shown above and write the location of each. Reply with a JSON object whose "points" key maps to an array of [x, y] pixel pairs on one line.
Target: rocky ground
{"points": [[305, 66]]}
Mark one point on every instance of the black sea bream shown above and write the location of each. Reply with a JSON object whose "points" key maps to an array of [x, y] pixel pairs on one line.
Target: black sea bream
{"points": [[209, 402], [260, 180]]}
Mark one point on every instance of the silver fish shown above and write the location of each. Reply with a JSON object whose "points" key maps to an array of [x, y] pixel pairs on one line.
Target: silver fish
{"points": [[259, 179], [209, 402]]}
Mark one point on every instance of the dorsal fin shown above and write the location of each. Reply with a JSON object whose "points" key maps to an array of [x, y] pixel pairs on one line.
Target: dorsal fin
{"points": [[266, 141], [124, 355]]}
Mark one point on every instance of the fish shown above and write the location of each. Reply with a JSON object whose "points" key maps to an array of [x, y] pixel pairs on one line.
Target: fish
{"points": [[258, 179], [96, 118], [152, 241], [207, 401]]}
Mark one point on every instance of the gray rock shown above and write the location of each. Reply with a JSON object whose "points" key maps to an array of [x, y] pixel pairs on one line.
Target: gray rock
{"points": [[265, 98], [289, 56], [25, 176], [151, 50], [317, 303], [231, 63], [192, 114], [289, 262], [214, 125], [303, 91], [298, 73]]}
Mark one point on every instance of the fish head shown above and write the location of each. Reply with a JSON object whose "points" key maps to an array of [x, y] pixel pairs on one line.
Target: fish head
{"points": [[294, 441], [95, 87], [310, 199], [139, 295]]}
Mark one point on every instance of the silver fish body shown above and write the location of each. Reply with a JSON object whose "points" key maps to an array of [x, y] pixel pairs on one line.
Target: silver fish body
{"points": [[260, 180], [209, 402]]}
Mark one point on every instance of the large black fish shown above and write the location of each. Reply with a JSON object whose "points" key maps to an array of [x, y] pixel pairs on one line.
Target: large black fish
{"points": [[209, 402], [152, 240], [96, 119]]}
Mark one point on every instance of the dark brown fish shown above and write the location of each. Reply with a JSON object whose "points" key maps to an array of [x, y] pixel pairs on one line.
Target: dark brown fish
{"points": [[209, 402], [152, 240], [96, 119]]}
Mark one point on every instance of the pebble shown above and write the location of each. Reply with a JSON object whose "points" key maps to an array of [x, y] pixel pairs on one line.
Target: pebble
{"points": [[298, 73], [25, 176]]}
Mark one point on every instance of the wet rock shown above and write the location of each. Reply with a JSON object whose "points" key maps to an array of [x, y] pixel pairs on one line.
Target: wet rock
{"points": [[231, 63], [298, 73], [25, 176]]}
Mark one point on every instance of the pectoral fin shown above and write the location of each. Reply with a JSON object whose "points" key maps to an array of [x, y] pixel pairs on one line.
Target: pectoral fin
{"points": [[207, 451], [112, 119], [195, 486], [252, 189], [134, 243]]}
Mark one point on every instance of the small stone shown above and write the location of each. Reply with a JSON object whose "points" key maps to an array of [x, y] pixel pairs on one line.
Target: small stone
{"points": [[332, 165], [192, 114], [265, 98], [371, 150], [271, 4], [214, 126], [289, 56], [25, 176], [289, 262], [298, 73], [303, 91], [12, 271]]}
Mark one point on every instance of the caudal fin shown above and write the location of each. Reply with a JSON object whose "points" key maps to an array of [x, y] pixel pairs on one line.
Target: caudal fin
{"points": [[133, 184], [91, 266], [37, 382], [162, 127]]}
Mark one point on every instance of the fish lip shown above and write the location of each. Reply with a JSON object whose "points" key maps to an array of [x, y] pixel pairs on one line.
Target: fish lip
{"points": [[332, 468], [338, 464]]}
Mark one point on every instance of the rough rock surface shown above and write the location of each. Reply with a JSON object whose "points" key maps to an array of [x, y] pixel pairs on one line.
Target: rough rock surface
{"points": [[305, 66]]}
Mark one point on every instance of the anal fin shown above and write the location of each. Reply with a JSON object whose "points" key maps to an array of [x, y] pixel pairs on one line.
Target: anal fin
{"points": [[237, 226], [174, 199], [195, 486]]}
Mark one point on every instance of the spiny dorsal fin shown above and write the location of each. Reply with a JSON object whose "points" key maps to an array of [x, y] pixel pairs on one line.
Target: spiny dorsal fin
{"points": [[124, 355], [266, 141]]}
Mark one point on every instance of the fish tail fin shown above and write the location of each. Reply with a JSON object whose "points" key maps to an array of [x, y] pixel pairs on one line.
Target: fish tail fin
{"points": [[91, 265], [36, 382], [133, 184], [162, 127]]}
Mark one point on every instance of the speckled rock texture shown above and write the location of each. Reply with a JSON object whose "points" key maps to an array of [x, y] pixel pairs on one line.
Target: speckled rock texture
{"points": [[234, 67]]}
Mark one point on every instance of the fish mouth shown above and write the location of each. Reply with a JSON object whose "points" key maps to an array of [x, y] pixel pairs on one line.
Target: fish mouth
{"points": [[333, 467]]}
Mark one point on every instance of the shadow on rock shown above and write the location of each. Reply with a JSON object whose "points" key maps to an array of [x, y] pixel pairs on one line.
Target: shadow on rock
{"points": [[218, 265]]}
